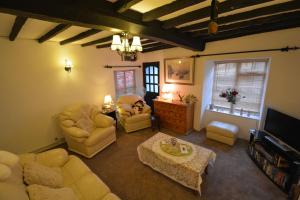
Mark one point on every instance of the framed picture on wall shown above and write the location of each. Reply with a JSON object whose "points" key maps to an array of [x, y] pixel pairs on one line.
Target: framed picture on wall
{"points": [[180, 70]]}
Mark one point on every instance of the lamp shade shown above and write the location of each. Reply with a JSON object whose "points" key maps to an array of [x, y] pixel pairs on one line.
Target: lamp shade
{"points": [[136, 44], [107, 99], [116, 43]]}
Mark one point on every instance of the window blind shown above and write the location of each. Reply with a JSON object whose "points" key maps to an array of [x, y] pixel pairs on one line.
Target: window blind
{"points": [[248, 77], [125, 82]]}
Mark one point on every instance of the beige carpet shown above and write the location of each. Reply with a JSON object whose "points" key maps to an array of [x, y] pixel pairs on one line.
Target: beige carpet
{"points": [[233, 177]]}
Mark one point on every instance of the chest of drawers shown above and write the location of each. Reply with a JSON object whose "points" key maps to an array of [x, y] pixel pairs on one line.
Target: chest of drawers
{"points": [[175, 116]]}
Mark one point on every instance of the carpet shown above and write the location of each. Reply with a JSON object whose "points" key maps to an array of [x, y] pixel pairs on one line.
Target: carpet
{"points": [[233, 177]]}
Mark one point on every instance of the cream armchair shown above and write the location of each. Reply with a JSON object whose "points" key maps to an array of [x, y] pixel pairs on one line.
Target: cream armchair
{"points": [[86, 130], [132, 122]]}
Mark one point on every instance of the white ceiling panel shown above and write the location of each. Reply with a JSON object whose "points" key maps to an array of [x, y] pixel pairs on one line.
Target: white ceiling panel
{"points": [[187, 9], [34, 29], [237, 11], [147, 5], [70, 32], [6, 23], [100, 35]]}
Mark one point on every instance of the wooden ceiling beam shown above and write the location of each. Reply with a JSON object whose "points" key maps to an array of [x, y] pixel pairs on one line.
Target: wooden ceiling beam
{"points": [[254, 29], [282, 7], [147, 46], [53, 32], [100, 46], [168, 8], [124, 5], [159, 47], [224, 7], [101, 40], [18, 24], [147, 42], [80, 36], [97, 14], [258, 21]]}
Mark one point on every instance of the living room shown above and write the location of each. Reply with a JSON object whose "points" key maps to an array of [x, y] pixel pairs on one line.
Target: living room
{"points": [[42, 76]]}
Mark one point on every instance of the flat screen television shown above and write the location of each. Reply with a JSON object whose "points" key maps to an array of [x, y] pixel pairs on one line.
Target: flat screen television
{"points": [[283, 127]]}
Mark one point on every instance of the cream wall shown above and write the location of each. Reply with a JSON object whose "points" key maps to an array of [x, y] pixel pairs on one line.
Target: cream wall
{"points": [[283, 86], [35, 88]]}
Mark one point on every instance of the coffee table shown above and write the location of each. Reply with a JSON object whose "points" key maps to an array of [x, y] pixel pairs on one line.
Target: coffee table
{"points": [[184, 169]]}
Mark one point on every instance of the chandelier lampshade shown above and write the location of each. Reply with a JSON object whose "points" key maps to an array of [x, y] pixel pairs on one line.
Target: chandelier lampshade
{"points": [[116, 43], [136, 44]]}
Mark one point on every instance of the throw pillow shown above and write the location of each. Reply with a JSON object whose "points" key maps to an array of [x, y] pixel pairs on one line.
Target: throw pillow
{"points": [[138, 107], [8, 158], [39, 192], [86, 124], [35, 173], [5, 172]]}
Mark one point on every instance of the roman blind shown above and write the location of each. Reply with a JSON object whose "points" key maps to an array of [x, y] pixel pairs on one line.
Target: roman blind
{"points": [[125, 82], [248, 77]]}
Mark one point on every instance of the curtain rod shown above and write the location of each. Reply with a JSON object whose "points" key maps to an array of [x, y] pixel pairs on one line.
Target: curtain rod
{"points": [[285, 49], [109, 66]]}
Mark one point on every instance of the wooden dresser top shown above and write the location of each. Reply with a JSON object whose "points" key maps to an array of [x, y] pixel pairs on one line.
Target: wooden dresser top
{"points": [[179, 103]]}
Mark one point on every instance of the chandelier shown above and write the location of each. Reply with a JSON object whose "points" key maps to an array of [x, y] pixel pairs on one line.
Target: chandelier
{"points": [[120, 43]]}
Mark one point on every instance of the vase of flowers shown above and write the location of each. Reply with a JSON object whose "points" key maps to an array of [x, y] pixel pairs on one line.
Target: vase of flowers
{"points": [[231, 95], [190, 98]]}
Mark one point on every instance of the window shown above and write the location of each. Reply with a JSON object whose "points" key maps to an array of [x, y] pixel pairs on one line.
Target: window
{"points": [[125, 82], [248, 77], [151, 77]]}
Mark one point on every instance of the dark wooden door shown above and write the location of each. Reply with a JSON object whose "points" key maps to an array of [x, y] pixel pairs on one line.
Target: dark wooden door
{"points": [[151, 81]]}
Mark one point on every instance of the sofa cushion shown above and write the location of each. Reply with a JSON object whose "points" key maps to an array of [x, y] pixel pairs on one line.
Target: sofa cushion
{"points": [[39, 192], [85, 124], [8, 158], [5, 172], [90, 187], [67, 123], [53, 158], [99, 134], [224, 129], [129, 99], [35, 173], [137, 118], [111, 196], [10, 191], [73, 170]]}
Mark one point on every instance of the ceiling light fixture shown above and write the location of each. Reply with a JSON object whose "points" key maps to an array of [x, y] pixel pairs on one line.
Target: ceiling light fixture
{"points": [[213, 24], [127, 52]]}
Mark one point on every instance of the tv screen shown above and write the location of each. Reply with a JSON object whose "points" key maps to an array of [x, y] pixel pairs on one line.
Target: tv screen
{"points": [[283, 127]]}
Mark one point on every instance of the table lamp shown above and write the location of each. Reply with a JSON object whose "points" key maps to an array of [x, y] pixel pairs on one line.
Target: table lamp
{"points": [[108, 103]]}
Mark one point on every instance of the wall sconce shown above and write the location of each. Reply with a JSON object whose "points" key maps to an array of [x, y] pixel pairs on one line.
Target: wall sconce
{"points": [[68, 65]]}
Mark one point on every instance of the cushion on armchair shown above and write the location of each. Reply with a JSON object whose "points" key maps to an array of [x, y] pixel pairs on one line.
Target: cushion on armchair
{"points": [[102, 121]]}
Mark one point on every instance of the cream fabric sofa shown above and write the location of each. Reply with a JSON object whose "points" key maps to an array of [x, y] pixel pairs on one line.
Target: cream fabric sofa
{"points": [[86, 130], [134, 122], [76, 175]]}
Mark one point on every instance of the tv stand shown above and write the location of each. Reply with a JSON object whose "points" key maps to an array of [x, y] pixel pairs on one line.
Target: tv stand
{"points": [[276, 143], [279, 163]]}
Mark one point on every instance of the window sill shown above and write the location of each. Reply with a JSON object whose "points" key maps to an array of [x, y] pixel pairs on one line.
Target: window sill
{"points": [[236, 114]]}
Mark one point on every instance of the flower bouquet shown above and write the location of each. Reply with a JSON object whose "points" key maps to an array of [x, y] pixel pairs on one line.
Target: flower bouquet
{"points": [[190, 98], [231, 95]]}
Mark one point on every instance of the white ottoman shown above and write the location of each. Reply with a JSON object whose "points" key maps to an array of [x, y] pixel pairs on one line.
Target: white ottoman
{"points": [[222, 132]]}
